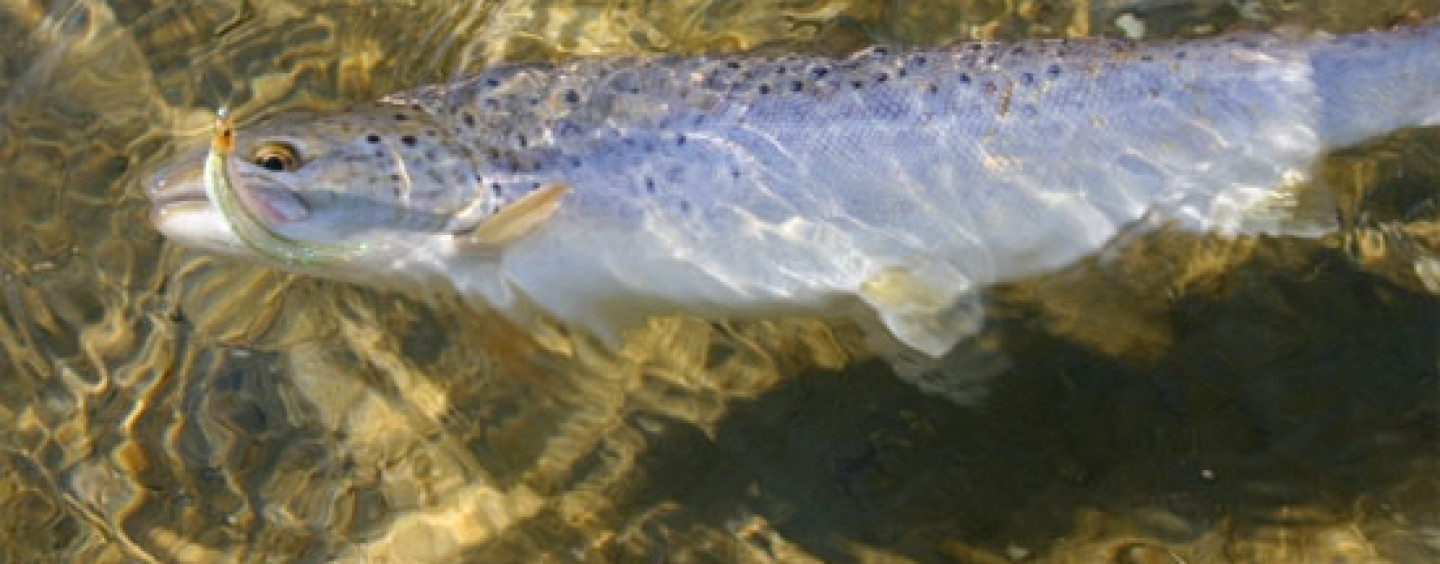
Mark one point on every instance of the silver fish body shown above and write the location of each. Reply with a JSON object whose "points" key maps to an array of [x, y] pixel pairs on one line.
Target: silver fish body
{"points": [[891, 184]]}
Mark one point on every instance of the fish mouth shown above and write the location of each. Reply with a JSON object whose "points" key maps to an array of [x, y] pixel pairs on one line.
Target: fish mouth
{"points": [[176, 200], [181, 210], [179, 185], [170, 195]]}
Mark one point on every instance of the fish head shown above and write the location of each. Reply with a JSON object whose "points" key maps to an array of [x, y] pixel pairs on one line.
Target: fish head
{"points": [[379, 180]]}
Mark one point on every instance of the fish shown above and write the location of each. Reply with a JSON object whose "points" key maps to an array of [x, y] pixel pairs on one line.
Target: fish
{"points": [[889, 187]]}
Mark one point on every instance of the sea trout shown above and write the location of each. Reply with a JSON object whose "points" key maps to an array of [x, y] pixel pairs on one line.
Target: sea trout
{"points": [[888, 186]]}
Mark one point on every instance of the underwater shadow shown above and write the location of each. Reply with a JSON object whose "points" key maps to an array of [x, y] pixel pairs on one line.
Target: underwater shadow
{"points": [[1300, 382]]}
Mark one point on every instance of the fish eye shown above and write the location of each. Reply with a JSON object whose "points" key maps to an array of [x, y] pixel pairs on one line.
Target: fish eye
{"points": [[277, 157]]}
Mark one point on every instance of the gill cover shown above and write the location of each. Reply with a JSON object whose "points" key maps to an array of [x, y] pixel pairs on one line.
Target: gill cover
{"points": [[246, 223]]}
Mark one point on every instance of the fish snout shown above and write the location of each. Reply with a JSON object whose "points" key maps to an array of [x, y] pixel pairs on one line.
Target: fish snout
{"points": [[177, 188], [181, 210], [180, 182]]}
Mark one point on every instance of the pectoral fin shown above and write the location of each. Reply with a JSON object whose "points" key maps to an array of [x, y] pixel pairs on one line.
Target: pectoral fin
{"points": [[514, 221]]}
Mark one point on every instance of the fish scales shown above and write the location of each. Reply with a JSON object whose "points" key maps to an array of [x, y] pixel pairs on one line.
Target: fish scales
{"points": [[752, 185]]}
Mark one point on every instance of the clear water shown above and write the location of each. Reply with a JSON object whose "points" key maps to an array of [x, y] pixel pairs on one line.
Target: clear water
{"points": [[1176, 400]]}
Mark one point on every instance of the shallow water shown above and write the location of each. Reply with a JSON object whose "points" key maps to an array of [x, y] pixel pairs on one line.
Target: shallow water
{"points": [[1175, 400]]}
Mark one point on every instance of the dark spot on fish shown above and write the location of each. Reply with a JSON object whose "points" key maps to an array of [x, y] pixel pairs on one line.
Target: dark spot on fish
{"points": [[1027, 78], [524, 142], [764, 88], [1054, 70], [900, 73], [492, 82], [574, 162], [685, 206], [857, 84], [733, 65], [572, 97], [879, 51], [492, 104], [650, 185], [735, 173], [990, 87], [933, 88], [1147, 58], [493, 153], [495, 189], [400, 117], [964, 78], [415, 107], [408, 140], [881, 78], [1179, 54], [534, 101], [797, 86], [1018, 50], [919, 60], [372, 138], [990, 60], [394, 178], [680, 140], [779, 70], [820, 72], [380, 154], [430, 155]]}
